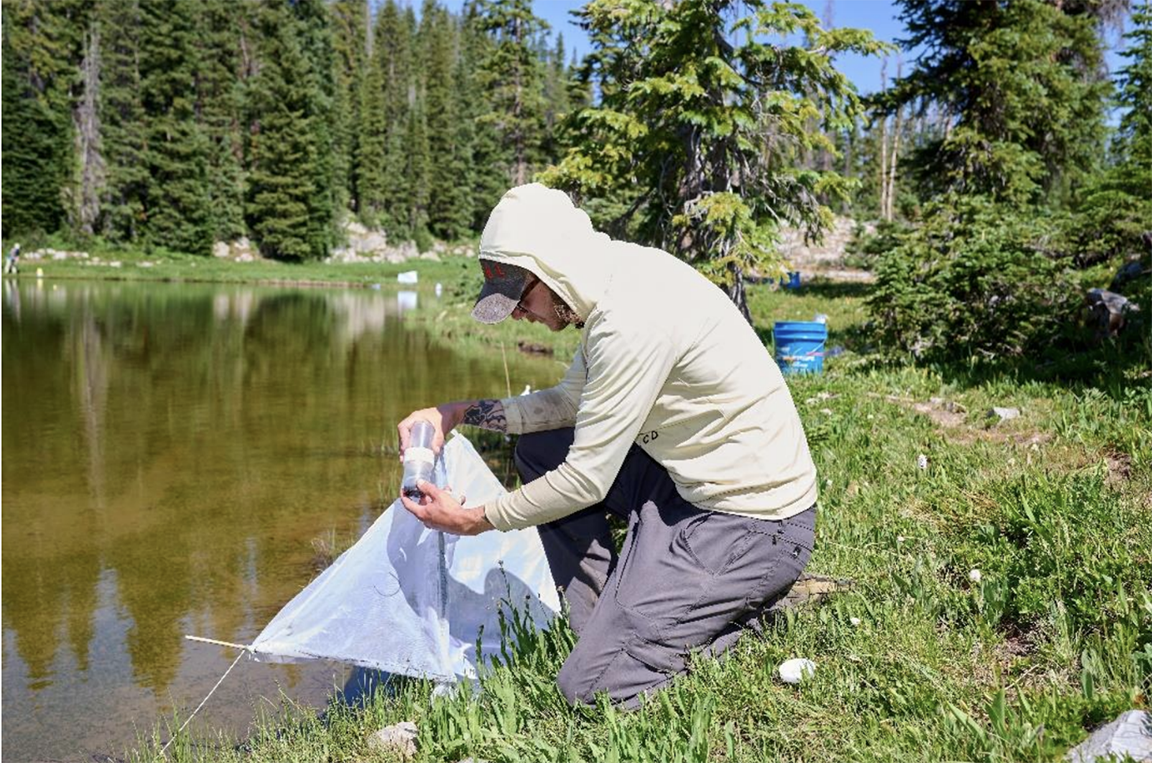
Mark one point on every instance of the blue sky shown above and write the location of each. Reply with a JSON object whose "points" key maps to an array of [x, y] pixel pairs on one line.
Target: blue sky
{"points": [[879, 16]]}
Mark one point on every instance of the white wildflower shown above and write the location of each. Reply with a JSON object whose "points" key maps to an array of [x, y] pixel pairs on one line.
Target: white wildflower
{"points": [[974, 576]]}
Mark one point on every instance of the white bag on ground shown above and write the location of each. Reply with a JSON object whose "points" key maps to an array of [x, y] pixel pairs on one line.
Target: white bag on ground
{"points": [[413, 601]]}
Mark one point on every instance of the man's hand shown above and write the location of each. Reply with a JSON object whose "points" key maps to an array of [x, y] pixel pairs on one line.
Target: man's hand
{"points": [[486, 414], [438, 510], [443, 418]]}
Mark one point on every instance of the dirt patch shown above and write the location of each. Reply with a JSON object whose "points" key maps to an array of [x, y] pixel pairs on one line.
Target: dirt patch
{"points": [[1119, 468], [992, 664], [953, 416], [946, 413]]}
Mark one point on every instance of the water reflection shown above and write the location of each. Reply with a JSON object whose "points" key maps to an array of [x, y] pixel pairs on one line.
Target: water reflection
{"points": [[406, 300], [169, 454]]}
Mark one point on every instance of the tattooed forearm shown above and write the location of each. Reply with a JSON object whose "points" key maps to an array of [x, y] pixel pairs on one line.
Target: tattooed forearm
{"points": [[486, 414]]}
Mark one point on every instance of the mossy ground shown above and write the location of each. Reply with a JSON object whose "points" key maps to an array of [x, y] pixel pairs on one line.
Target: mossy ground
{"points": [[923, 659]]}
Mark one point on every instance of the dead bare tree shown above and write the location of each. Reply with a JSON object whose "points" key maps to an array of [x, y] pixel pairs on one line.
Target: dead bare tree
{"points": [[86, 120], [893, 155], [884, 143]]}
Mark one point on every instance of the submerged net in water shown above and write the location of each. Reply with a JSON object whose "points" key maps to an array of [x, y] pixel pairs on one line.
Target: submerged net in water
{"points": [[417, 602]]}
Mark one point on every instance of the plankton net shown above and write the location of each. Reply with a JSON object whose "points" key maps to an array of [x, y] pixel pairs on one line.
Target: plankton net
{"points": [[417, 602]]}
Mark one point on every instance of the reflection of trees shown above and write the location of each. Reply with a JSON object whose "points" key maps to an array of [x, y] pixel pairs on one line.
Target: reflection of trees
{"points": [[195, 443]]}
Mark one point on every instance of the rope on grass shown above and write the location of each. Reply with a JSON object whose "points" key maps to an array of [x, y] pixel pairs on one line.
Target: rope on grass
{"points": [[174, 737]]}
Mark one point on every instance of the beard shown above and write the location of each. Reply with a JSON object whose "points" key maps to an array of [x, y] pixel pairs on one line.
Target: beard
{"points": [[566, 315]]}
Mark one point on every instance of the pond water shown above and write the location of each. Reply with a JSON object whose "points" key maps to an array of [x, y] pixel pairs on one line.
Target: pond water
{"points": [[173, 456]]}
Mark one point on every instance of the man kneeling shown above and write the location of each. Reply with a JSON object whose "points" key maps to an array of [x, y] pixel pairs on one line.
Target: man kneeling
{"points": [[672, 416]]}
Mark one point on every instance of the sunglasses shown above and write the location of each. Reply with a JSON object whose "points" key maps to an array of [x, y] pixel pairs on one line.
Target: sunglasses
{"points": [[524, 295]]}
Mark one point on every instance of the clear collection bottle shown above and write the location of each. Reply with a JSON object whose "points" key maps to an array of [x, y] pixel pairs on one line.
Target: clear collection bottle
{"points": [[419, 459]]}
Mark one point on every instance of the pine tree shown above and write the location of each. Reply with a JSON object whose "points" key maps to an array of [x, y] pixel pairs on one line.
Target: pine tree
{"points": [[315, 34], [490, 156], [381, 185], [449, 210], [1134, 87], [418, 171], [178, 202], [220, 109], [1022, 86], [43, 44], [696, 142], [350, 39], [512, 74], [122, 121], [372, 132], [400, 99], [281, 148], [1114, 210], [557, 100]]}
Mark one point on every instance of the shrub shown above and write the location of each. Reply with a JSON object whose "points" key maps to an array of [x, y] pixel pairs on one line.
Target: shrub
{"points": [[1109, 223], [867, 246], [972, 279]]}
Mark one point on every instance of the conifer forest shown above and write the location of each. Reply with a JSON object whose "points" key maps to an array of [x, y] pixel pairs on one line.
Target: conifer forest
{"points": [[700, 126], [174, 124]]}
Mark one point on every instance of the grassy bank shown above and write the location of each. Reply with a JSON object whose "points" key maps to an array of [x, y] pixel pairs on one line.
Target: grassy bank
{"points": [[1001, 606], [136, 265]]}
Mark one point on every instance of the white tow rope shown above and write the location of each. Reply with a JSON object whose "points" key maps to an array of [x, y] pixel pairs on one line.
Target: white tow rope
{"points": [[243, 649]]}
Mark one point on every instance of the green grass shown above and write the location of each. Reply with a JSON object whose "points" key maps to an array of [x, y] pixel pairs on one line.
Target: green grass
{"points": [[920, 661]]}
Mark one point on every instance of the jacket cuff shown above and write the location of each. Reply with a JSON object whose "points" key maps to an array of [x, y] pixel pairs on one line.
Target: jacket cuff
{"points": [[496, 518], [513, 415]]}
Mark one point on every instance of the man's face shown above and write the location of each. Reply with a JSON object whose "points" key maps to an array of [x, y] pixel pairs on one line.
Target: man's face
{"points": [[538, 305]]}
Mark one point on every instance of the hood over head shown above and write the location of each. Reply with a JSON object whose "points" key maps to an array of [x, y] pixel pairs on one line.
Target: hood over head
{"points": [[537, 228]]}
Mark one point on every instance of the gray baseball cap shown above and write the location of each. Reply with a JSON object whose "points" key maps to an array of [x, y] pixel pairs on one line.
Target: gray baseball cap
{"points": [[503, 287]]}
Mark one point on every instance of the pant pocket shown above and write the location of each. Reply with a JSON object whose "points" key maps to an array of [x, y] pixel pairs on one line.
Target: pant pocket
{"points": [[657, 657], [786, 557], [716, 541]]}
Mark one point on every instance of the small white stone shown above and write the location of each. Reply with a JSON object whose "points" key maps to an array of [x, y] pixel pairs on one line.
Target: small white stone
{"points": [[974, 576], [1003, 414], [795, 670], [400, 738]]}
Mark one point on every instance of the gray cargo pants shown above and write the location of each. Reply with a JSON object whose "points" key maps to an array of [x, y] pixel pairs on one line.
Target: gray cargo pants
{"points": [[686, 578]]}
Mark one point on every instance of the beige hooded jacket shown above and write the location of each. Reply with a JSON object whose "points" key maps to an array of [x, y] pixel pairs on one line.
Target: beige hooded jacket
{"points": [[665, 362]]}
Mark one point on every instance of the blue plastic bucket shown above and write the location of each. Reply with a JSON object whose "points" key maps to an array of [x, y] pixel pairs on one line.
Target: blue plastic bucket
{"points": [[793, 280], [800, 346]]}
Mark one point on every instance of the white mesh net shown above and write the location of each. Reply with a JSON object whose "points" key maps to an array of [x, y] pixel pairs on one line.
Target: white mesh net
{"points": [[411, 601]]}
